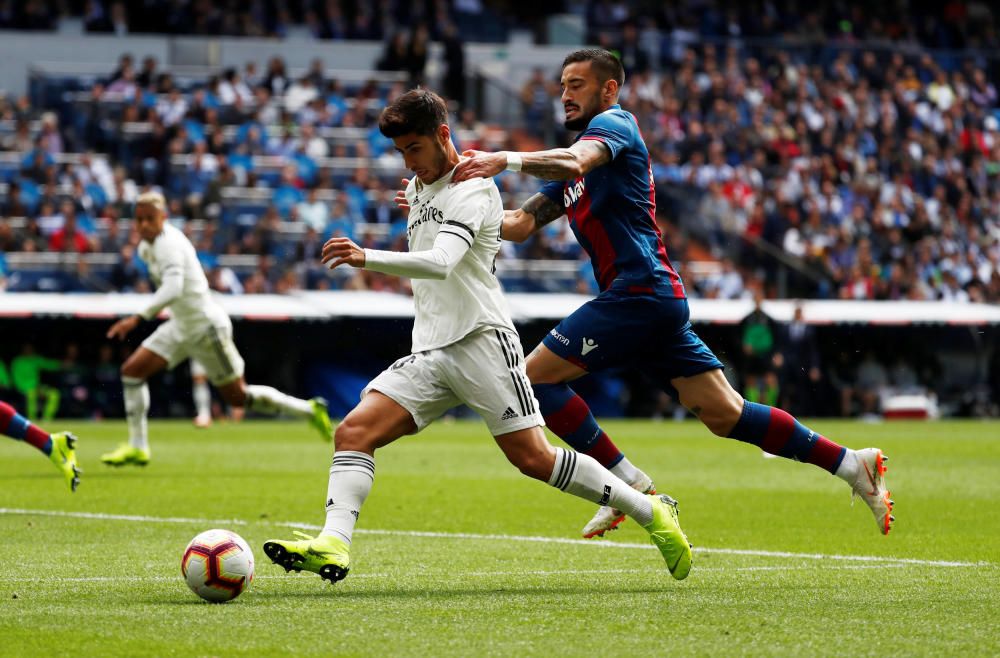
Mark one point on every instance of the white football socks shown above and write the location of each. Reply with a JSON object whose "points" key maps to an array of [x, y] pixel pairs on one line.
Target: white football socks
{"points": [[268, 400], [136, 410], [202, 398], [626, 471], [351, 477], [848, 469], [581, 475]]}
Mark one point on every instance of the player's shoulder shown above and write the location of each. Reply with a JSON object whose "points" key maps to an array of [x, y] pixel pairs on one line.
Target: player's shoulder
{"points": [[473, 189], [614, 117], [171, 238]]}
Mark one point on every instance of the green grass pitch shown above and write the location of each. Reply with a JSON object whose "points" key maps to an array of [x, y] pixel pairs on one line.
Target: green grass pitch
{"points": [[101, 577]]}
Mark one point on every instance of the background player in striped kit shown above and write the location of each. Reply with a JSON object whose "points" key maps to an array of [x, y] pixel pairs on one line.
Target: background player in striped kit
{"points": [[604, 183]]}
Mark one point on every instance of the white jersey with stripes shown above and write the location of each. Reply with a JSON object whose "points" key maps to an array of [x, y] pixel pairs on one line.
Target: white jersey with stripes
{"points": [[463, 219], [180, 282]]}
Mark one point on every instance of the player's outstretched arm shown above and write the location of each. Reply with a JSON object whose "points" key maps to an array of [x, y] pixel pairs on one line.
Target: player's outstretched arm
{"points": [[520, 224], [555, 164], [123, 327], [434, 263]]}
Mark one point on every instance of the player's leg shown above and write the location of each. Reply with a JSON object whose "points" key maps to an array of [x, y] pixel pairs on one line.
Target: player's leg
{"points": [[60, 447], [711, 398], [402, 400], [486, 371], [582, 476], [163, 349], [224, 366], [590, 339], [202, 395], [52, 399]]}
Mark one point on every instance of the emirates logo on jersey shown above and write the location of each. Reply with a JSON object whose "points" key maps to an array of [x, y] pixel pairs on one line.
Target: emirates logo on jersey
{"points": [[574, 192], [427, 214]]}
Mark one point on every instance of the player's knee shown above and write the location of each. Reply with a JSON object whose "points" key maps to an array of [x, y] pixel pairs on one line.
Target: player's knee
{"points": [[535, 464], [130, 371], [353, 435], [721, 420], [234, 396]]}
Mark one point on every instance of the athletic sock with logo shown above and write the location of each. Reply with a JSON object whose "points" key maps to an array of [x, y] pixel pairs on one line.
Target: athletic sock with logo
{"points": [[351, 477], [569, 418], [776, 432], [582, 476]]}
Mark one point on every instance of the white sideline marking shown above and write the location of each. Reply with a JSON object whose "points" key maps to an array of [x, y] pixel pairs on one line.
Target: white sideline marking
{"points": [[118, 517], [453, 574], [881, 561]]}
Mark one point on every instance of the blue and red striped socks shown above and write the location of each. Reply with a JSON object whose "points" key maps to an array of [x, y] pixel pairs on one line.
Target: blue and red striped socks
{"points": [[569, 418], [18, 427], [776, 432]]}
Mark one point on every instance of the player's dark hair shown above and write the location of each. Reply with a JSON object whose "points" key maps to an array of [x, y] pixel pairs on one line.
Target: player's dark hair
{"points": [[603, 63], [418, 111]]}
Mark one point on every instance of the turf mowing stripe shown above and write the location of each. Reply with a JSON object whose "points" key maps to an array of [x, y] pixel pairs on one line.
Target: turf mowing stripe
{"points": [[493, 537]]}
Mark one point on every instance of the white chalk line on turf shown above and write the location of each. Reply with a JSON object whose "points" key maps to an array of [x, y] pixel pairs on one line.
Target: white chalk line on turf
{"points": [[460, 574], [119, 517], [882, 561]]}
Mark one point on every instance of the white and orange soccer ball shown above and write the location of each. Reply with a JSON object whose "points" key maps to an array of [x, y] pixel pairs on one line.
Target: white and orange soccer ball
{"points": [[218, 565]]}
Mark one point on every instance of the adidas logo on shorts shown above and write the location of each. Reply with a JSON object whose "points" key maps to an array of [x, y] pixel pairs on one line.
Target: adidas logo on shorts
{"points": [[507, 415]]}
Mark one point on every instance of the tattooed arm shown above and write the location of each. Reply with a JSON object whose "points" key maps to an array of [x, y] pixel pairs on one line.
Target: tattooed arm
{"points": [[555, 164], [520, 224]]}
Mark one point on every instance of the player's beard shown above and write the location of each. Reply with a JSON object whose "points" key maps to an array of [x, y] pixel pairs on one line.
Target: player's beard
{"points": [[578, 123], [581, 120]]}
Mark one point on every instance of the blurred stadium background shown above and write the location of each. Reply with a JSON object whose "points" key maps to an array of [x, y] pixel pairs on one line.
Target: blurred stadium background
{"points": [[828, 182]]}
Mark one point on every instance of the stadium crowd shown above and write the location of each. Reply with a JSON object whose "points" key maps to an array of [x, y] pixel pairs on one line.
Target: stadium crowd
{"points": [[877, 170]]}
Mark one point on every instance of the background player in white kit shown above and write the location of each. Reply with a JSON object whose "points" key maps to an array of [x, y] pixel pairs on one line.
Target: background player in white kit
{"points": [[203, 398], [465, 350], [198, 328]]}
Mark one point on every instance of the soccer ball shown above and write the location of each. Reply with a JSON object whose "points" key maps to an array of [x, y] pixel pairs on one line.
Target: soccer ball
{"points": [[217, 565]]}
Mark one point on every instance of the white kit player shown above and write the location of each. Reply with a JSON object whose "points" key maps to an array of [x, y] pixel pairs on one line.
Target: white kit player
{"points": [[198, 328], [465, 350]]}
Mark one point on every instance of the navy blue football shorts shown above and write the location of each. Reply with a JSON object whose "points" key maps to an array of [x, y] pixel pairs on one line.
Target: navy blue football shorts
{"points": [[649, 332]]}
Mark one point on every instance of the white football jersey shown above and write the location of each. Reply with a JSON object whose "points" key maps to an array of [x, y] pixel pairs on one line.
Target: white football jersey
{"points": [[172, 261], [470, 298]]}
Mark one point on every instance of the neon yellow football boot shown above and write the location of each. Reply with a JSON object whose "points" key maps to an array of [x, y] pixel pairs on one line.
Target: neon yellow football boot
{"points": [[63, 455], [326, 555], [321, 419], [666, 534], [126, 454]]}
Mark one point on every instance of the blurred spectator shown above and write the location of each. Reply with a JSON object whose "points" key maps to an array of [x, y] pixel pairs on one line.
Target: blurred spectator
{"points": [[313, 211], [26, 373], [758, 340], [869, 385], [799, 364]]}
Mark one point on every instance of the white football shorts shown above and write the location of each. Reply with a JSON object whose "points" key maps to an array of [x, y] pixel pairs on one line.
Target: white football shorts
{"points": [[484, 370], [211, 346]]}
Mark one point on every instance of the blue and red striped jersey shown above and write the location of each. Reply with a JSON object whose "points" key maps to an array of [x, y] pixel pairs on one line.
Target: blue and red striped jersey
{"points": [[612, 211]]}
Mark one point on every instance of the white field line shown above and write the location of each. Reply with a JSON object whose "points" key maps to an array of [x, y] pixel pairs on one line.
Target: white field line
{"points": [[881, 561], [458, 574]]}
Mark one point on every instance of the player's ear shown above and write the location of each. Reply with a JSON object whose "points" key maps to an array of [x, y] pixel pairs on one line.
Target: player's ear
{"points": [[444, 134], [611, 90]]}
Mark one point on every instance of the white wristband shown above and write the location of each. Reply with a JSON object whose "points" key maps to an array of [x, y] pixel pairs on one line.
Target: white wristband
{"points": [[513, 161]]}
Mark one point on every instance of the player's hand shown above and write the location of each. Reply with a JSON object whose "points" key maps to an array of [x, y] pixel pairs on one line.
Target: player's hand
{"points": [[338, 251], [479, 164], [401, 202], [123, 327]]}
